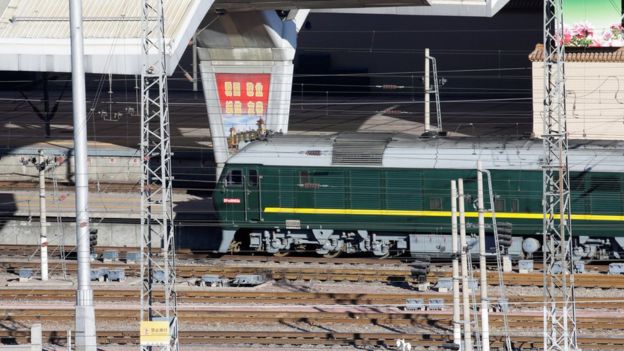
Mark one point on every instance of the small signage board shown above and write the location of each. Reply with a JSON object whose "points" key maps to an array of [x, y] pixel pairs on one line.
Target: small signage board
{"points": [[244, 100], [155, 333]]}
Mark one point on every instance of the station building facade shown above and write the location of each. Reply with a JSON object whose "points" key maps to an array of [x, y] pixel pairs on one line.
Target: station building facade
{"points": [[594, 92]]}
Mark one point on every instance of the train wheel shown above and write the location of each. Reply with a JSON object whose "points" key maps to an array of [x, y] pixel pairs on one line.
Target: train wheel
{"points": [[281, 253], [386, 255], [332, 254]]}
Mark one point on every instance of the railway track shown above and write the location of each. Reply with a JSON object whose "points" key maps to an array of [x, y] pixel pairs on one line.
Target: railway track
{"points": [[188, 254], [199, 256], [313, 338], [257, 298], [586, 322], [336, 273]]}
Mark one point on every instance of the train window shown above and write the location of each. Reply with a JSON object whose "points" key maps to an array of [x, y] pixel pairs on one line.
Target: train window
{"points": [[499, 205], [304, 177], [435, 203], [304, 181], [253, 178], [515, 205], [234, 178]]}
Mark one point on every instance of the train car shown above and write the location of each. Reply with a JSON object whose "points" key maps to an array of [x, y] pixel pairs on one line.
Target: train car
{"points": [[390, 194]]}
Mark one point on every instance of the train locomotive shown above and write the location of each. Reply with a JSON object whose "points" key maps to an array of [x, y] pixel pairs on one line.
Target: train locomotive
{"points": [[389, 194]]}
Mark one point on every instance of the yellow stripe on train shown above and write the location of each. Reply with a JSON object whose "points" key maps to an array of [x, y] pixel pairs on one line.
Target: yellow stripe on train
{"points": [[408, 213]]}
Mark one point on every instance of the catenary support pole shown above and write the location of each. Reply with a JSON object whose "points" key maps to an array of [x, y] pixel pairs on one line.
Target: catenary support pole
{"points": [[485, 318], [464, 266], [41, 167], [560, 332], [455, 254], [157, 216], [85, 313], [427, 84]]}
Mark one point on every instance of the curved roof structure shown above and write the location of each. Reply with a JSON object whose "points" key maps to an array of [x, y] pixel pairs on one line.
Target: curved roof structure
{"points": [[34, 34], [404, 151]]}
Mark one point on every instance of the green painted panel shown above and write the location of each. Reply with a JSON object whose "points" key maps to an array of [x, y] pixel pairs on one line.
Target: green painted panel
{"points": [[606, 192], [579, 192], [330, 192], [365, 189], [287, 186], [400, 189], [404, 189]]}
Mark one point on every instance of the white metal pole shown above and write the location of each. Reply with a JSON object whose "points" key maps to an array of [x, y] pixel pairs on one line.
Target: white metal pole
{"points": [[427, 84], [42, 216], [85, 314], [194, 61], [455, 254], [485, 318], [464, 266]]}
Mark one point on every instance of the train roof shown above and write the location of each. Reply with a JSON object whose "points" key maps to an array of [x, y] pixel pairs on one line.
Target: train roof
{"points": [[405, 151], [65, 148]]}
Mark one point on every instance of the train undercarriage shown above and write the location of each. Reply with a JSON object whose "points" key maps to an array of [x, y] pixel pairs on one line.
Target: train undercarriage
{"points": [[333, 243]]}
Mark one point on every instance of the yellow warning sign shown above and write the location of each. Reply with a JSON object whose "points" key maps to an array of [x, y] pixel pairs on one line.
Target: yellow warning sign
{"points": [[155, 333]]}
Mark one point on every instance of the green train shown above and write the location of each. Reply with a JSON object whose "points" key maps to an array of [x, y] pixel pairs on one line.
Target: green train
{"points": [[390, 194]]}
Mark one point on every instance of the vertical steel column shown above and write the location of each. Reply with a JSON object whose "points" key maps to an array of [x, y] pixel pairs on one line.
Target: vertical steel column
{"points": [[485, 303], [559, 304], [41, 167], [464, 267], [502, 294], [156, 180], [85, 313], [455, 254]]}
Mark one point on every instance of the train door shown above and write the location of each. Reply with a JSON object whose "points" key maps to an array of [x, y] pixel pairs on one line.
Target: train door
{"points": [[253, 189], [234, 195]]}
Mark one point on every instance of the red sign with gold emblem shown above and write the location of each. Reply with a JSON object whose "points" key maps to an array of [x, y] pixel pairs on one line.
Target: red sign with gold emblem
{"points": [[244, 99]]}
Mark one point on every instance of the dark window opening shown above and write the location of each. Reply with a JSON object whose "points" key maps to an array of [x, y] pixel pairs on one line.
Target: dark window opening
{"points": [[253, 178], [435, 203], [304, 177], [499, 205], [515, 205], [304, 181], [234, 178]]}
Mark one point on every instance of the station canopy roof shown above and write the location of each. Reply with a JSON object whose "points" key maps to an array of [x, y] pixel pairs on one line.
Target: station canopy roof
{"points": [[34, 34]]}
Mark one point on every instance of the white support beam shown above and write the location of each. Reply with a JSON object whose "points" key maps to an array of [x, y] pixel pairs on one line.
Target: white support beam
{"points": [[459, 8]]}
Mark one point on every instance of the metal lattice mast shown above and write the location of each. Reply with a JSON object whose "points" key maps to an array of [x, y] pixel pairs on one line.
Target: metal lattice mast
{"points": [[559, 305], [156, 180]]}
